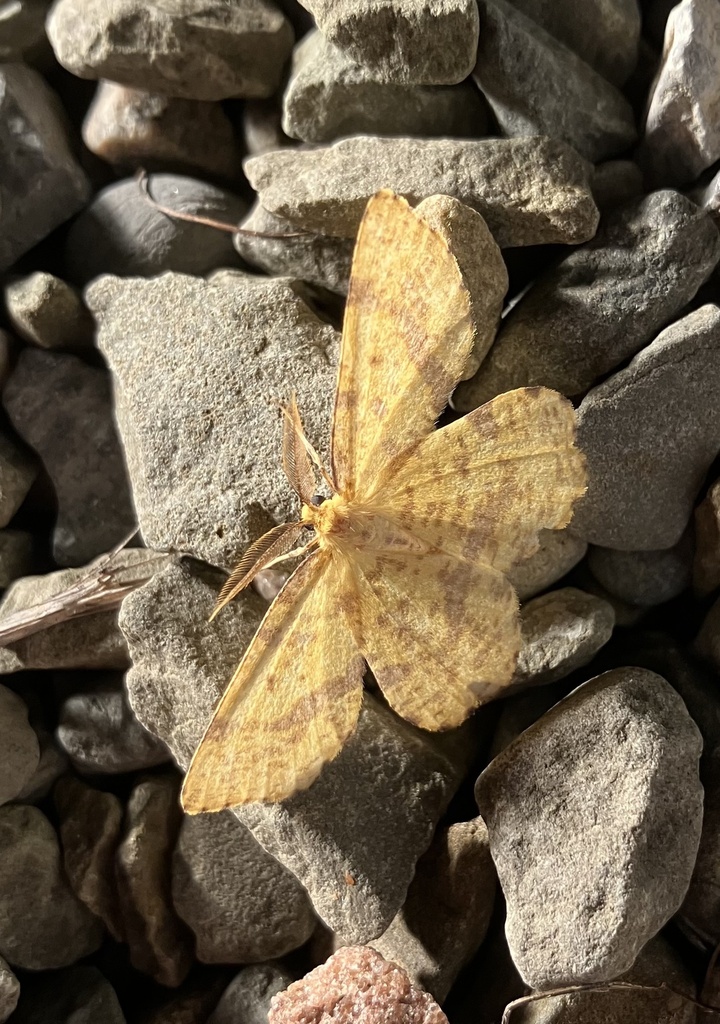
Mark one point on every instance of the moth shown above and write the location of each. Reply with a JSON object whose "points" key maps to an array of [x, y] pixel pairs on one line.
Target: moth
{"points": [[405, 566]]}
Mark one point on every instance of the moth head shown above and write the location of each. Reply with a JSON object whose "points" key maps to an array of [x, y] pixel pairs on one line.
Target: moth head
{"points": [[325, 515]]}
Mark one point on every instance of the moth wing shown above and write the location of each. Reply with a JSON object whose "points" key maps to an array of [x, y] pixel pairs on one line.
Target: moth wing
{"points": [[440, 635], [407, 334], [293, 701], [482, 487]]}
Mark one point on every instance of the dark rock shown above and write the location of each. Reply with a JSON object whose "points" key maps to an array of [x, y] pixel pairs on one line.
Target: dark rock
{"points": [[80, 995], [19, 748], [616, 182], [247, 997], [706, 564], [699, 915], [17, 473], [645, 577], [50, 767], [262, 128], [22, 31]]}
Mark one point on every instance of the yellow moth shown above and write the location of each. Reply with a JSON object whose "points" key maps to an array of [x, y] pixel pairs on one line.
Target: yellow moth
{"points": [[405, 567]]}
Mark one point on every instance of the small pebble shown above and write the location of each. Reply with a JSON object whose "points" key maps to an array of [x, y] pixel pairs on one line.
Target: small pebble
{"points": [[576, 793], [355, 986], [63, 409], [42, 923], [46, 311], [559, 552], [196, 51], [645, 578], [19, 748], [242, 905], [247, 997]]}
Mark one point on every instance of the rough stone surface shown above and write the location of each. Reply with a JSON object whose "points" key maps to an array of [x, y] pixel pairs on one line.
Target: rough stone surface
{"points": [[9, 990], [682, 135], [537, 86], [79, 995], [559, 552], [19, 747], [63, 409], [318, 259], [42, 923], [90, 641], [130, 128], [605, 33], [100, 734], [699, 915], [197, 51], [419, 41], [706, 563], [561, 631], [329, 96], [42, 183], [121, 233], [17, 473], [603, 302], [90, 825], [243, 906], [591, 862], [355, 985], [530, 191], [644, 577], [199, 366], [447, 911], [649, 434], [160, 944], [247, 997], [46, 311]]}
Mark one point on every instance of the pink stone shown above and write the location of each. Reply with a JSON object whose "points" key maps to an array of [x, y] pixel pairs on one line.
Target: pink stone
{"points": [[355, 986]]}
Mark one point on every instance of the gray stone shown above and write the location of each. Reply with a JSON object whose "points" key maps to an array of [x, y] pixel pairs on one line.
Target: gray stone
{"points": [[559, 552], [48, 312], [447, 910], [615, 182], [649, 434], [561, 632], [120, 232], [329, 96], [63, 409], [591, 862], [605, 33], [644, 577], [196, 50], [682, 136], [52, 764], [42, 923], [17, 473], [424, 42], [199, 366], [131, 128], [19, 748], [160, 944], [17, 555], [242, 905], [521, 710], [89, 641], [101, 735], [537, 86], [9, 990], [79, 995], [603, 302], [699, 915], [247, 997], [706, 564], [625, 614], [42, 183], [530, 191], [22, 31], [90, 826], [318, 259], [7, 353]]}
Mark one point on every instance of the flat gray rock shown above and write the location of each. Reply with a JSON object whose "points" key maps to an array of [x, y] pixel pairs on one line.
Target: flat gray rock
{"points": [[19, 747], [329, 96], [603, 302], [537, 86], [131, 128], [46, 311], [247, 997], [18, 470], [650, 433], [559, 552], [682, 135], [195, 50], [42, 183], [561, 631], [121, 233], [644, 578], [242, 905], [9, 990], [605, 33], [199, 368], [100, 734], [424, 42], [530, 191], [591, 863], [42, 923], [63, 409], [447, 911]]}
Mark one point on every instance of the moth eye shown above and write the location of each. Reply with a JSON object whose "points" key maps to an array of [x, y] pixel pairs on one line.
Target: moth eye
{"points": [[317, 499]]}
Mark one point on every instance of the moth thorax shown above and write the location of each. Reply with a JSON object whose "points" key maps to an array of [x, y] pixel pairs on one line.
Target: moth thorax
{"points": [[331, 516]]}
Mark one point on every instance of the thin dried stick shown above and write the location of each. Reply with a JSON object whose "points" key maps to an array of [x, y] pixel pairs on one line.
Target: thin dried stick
{"points": [[610, 986]]}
